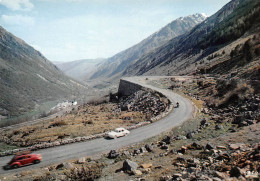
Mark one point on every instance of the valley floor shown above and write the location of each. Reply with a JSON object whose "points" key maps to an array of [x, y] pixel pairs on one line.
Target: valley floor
{"points": [[214, 145]]}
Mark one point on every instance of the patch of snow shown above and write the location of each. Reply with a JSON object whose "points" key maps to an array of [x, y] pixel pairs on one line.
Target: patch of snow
{"points": [[204, 14]]}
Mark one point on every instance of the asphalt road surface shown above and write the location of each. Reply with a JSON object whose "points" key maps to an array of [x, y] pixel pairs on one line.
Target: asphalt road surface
{"points": [[90, 148]]}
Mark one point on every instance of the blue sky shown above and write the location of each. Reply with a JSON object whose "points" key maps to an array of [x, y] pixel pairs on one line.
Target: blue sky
{"points": [[67, 30]]}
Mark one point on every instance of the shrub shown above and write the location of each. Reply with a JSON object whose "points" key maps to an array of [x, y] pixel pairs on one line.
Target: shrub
{"points": [[223, 86], [85, 173], [235, 51], [248, 51], [237, 95]]}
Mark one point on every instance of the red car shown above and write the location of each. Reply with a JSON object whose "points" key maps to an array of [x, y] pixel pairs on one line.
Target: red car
{"points": [[23, 159]]}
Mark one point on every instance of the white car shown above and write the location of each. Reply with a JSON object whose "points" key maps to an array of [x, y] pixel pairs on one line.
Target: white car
{"points": [[118, 132]]}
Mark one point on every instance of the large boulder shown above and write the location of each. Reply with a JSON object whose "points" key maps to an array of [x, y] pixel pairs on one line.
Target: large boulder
{"points": [[129, 166], [195, 145], [190, 135], [167, 140], [164, 146], [143, 150], [235, 172], [210, 146], [59, 166], [137, 152], [203, 122], [113, 154], [149, 148]]}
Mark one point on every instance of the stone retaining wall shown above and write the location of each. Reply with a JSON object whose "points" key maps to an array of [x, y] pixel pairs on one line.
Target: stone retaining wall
{"points": [[127, 88]]}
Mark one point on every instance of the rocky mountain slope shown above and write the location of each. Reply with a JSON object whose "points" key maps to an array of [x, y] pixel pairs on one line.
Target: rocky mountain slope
{"points": [[221, 141], [115, 65], [209, 146], [27, 78], [79, 69], [236, 19]]}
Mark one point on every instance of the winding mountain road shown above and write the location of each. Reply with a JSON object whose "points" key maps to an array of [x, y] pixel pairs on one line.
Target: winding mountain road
{"points": [[76, 150]]}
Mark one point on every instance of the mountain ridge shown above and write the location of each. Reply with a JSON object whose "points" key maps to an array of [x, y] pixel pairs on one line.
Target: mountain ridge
{"points": [[202, 40], [27, 78], [79, 69], [116, 64]]}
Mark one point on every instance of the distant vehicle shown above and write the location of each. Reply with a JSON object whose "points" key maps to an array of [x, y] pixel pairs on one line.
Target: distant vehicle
{"points": [[22, 159], [118, 132]]}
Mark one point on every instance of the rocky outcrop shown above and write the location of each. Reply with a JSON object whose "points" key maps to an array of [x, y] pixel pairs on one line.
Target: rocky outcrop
{"points": [[148, 102], [154, 104], [238, 162]]}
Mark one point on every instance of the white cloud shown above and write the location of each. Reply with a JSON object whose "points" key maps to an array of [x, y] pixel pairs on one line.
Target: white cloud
{"points": [[15, 5], [18, 20]]}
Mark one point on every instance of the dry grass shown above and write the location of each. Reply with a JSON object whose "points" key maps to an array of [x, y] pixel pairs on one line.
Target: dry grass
{"points": [[57, 123], [183, 86], [236, 95], [83, 121]]}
